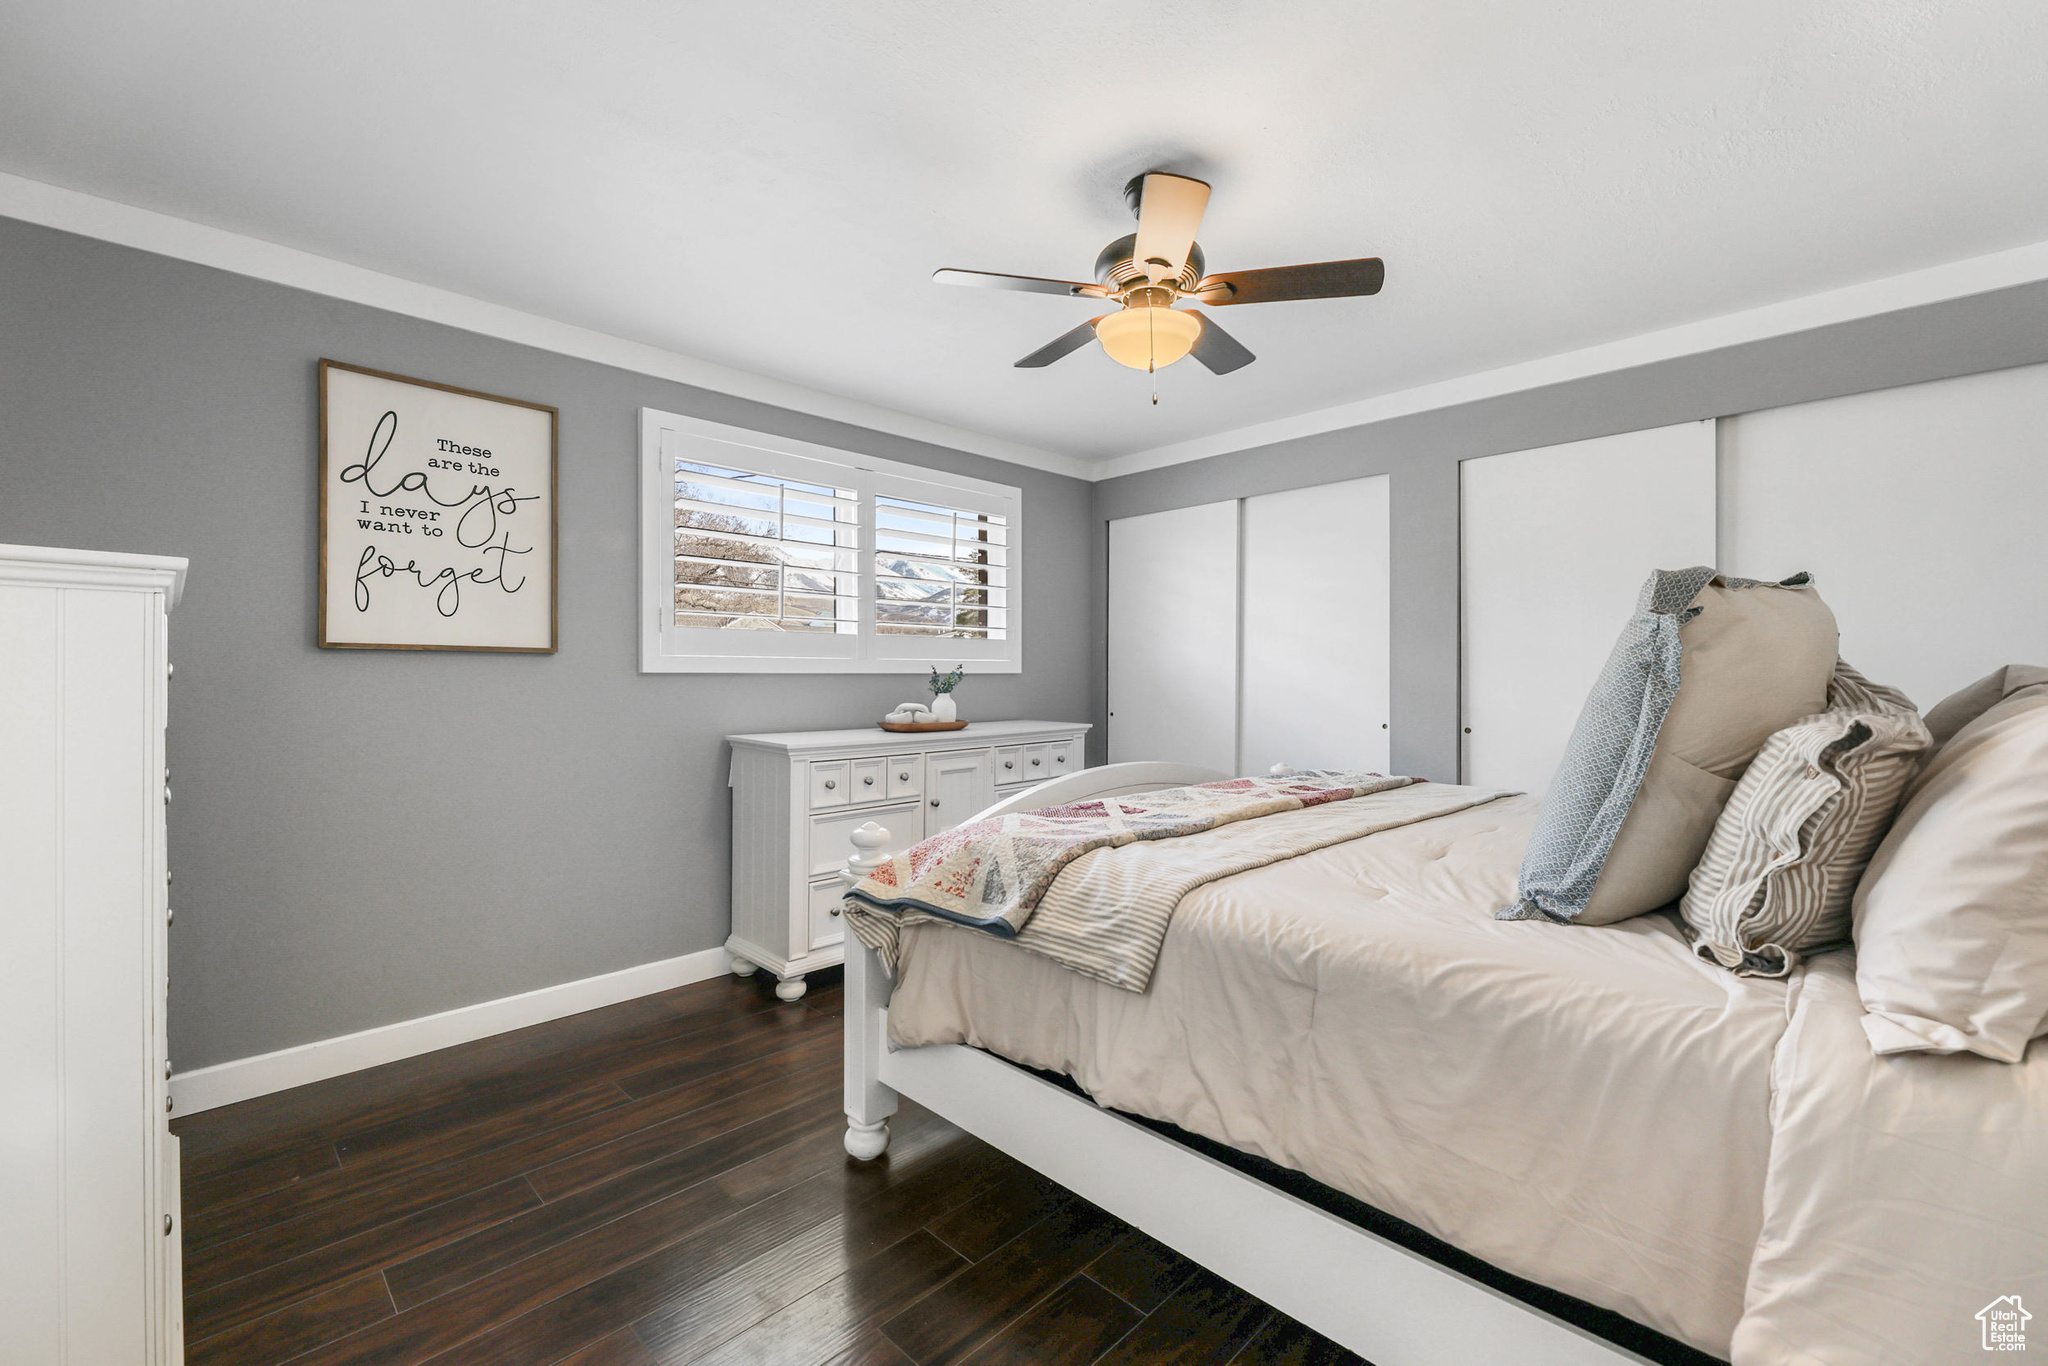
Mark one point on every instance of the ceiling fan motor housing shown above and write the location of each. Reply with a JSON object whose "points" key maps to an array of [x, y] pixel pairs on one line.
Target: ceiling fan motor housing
{"points": [[1117, 266]]}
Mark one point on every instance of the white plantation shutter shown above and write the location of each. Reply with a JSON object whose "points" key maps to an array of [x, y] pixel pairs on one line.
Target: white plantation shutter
{"points": [[767, 555], [758, 552], [940, 571]]}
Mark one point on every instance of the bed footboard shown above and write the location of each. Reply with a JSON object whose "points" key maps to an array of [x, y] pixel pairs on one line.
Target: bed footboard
{"points": [[869, 1101]]}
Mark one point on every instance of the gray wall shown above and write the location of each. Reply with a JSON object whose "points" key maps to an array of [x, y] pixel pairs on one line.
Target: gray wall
{"points": [[1421, 452], [363, 836]]}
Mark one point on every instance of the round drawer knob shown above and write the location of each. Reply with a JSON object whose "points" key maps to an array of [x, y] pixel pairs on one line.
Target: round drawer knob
{"points": [[935, 801], [167, 1226], [167, 1104], [903, 777], [870, 782], [1034, 763], [833, 911], [830, 784], [1008, 764]]}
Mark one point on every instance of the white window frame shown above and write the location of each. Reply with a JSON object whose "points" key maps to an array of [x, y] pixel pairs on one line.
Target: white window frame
{"points": [[667, 648]]}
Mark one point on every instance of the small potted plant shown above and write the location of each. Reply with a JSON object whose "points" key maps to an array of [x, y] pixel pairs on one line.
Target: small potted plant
{"points": [[942, 686]]}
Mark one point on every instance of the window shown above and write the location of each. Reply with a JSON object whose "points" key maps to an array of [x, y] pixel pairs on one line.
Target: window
{"points": [[767, 555]]}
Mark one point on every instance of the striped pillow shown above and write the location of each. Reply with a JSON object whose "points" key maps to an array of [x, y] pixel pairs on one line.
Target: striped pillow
{"points": [[1788, 848]]}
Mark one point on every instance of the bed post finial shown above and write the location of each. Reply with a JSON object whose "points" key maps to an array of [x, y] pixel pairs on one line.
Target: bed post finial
{"points": [[1280, 770], [868, 856]]}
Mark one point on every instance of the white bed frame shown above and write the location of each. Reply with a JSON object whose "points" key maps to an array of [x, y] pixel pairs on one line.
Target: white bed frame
{"points": [[1390, 1305]]}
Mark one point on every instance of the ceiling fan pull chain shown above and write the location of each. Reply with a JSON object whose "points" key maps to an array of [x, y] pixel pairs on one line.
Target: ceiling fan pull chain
{"points": [[1151, 357]]}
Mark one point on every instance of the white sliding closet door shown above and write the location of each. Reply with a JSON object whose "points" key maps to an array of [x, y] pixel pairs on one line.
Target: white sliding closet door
{"points": [[1316, 623], [1555, 544], [1919, 512], [1173, 637]]}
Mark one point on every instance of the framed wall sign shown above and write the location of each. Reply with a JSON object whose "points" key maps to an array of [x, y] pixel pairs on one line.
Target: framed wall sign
{"points": [[437, 516]]}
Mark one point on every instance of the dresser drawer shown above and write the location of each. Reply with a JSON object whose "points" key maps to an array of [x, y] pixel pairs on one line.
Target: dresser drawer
{"points": [[831, 784], [1064, 757], [870, 780], [832, 845], [1010, 765], [906, 775], [1037, 766], [827, 926]]}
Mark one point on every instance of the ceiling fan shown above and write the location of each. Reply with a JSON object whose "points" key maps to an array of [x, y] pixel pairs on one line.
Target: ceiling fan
{"points": [[1157, 266]]}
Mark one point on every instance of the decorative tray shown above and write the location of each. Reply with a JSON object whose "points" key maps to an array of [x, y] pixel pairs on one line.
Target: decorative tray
{"points": [[914, 726]]}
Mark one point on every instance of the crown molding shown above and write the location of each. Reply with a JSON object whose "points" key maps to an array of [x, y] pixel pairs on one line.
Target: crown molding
{"points": [[1873, 298], [74, 211], [181, 239]]}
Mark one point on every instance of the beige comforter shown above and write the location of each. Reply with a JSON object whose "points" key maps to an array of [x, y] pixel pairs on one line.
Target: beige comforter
{"points": [[1906, 1194], [1594, 1109], [1586, 1108]]}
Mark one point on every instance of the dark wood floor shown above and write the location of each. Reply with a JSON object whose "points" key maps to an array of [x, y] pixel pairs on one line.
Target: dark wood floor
{"points": [[660, 1182]]}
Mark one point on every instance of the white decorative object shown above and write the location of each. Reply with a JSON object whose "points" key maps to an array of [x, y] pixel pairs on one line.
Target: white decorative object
{"points": [[942, 686], [437, 516], [1306, 1262], [798, 796], [910, 713], [89, 1263]]}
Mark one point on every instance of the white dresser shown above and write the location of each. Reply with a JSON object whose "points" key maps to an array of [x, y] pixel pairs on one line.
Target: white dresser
{"points": [[89, 1237], [797, 795]]}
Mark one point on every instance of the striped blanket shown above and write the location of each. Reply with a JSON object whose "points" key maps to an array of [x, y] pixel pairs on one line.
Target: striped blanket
{"points": [[1093, 885]]}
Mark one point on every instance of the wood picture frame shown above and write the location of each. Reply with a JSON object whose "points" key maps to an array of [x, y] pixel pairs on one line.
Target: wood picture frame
{"points": [[428, 492]]}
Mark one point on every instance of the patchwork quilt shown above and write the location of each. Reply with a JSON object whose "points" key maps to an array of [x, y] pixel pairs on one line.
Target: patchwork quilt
{"points": [[1093, 885]]}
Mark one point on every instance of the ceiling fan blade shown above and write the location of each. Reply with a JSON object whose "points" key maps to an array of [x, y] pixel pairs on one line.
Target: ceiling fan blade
{"points": [[1169, 211], [1029, 284], [1066, 343], [1323, 280], [1217, 349]]}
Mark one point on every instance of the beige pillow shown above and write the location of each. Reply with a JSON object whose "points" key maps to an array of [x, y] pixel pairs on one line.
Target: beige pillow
{"points": [[1960, 708], [1779, 872], [1951, 917], [1756, 658]]}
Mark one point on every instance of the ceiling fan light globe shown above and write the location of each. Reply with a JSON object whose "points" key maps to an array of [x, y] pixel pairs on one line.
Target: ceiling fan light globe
{"points": [[1148, 338]]}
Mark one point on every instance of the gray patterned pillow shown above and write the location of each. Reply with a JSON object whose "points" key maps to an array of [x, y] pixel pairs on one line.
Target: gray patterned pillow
{"points": [[1708, 669], [1783, 862]]}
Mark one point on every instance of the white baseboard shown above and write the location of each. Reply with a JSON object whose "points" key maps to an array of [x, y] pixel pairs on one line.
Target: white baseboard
{"points": [[205, 1088]]}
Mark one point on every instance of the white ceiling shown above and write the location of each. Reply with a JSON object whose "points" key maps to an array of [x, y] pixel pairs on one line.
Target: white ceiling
{"points": [[769, 185]]}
